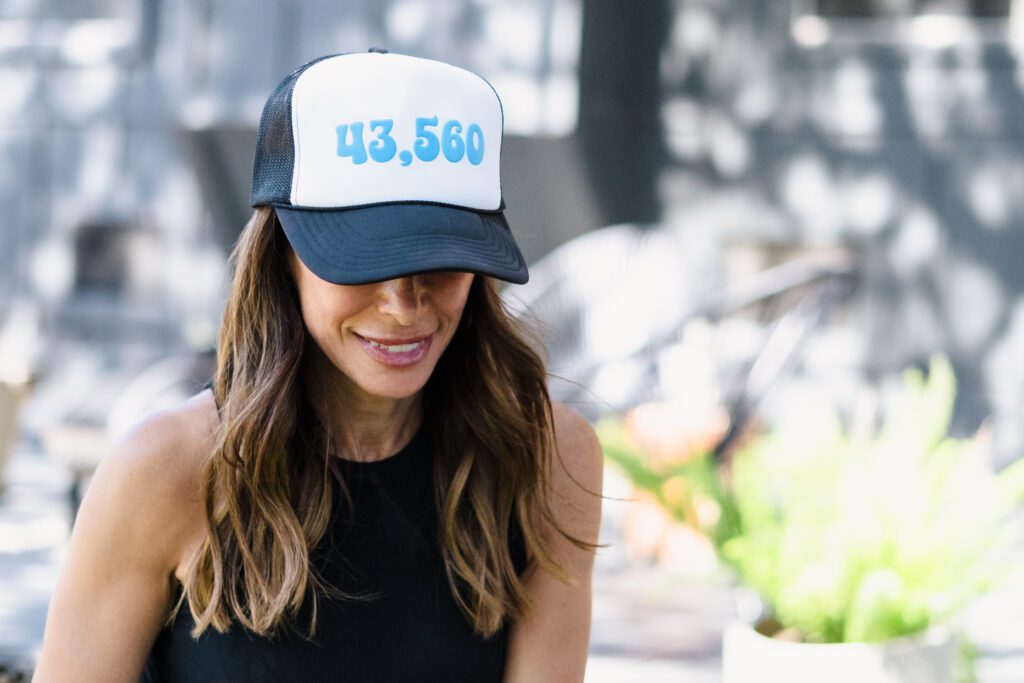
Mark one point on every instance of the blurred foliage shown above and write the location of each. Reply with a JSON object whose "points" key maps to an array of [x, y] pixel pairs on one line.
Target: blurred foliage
{"points": [[692, 490], [861, 534]]}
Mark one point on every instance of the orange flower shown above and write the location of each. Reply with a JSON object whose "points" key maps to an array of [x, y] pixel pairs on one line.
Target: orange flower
{"points": [[672, 434], [675, 491]]}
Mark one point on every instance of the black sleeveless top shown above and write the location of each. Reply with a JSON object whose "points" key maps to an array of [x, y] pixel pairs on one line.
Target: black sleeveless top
{"points": [[409, 629]]}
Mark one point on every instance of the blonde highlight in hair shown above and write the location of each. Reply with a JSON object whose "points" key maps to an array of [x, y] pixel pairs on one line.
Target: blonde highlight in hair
{"points": [[266, 485]]}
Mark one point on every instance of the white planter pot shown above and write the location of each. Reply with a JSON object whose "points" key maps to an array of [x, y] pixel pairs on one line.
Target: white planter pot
{"points": [[749, 657]]}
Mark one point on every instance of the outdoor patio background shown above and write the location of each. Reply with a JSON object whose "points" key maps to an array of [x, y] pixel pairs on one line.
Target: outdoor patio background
{"points": [[737, 121], [750, 128]]}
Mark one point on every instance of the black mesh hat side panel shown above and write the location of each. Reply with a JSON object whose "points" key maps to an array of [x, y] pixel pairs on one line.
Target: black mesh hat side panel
{"points": [[275, 145]]}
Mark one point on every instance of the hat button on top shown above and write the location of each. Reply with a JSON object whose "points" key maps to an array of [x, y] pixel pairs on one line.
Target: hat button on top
{"points": [[379, 50]]}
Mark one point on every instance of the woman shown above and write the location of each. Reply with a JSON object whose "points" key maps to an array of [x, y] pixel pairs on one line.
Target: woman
{"points": [[376, 487]]}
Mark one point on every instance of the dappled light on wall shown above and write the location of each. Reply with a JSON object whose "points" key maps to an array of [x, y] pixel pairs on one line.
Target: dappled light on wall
{"points": [[931, 25], [529, 51]]}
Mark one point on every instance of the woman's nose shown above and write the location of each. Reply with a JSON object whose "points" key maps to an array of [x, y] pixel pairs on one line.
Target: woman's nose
{"points": [[401, 298]]}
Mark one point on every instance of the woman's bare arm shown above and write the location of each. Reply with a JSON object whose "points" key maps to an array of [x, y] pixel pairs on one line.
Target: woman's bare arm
{"points": [[551, 643], [136, 520]]}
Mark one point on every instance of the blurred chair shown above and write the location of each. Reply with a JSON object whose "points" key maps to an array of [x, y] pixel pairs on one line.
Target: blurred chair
{"points": [[612, 306], [600, 300]]}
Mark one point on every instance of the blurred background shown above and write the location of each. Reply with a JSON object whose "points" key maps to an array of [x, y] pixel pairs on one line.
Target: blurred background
{"points": [[736, 213]]}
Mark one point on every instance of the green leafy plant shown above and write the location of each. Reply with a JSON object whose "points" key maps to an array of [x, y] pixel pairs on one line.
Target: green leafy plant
{"points": [[851, 534]]}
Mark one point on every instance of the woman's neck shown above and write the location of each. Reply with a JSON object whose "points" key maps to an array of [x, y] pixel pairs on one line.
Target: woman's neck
{"points": [[360, 426]]}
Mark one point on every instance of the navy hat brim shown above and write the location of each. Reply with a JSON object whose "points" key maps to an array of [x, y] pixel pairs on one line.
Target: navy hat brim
{"points": [[375, 243]]}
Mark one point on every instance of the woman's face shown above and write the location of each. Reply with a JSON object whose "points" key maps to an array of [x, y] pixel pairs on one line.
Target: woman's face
{"points": [[385, 337]]}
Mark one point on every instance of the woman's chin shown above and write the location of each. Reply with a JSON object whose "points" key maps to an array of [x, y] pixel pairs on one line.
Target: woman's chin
{"points": [[395, 387]]}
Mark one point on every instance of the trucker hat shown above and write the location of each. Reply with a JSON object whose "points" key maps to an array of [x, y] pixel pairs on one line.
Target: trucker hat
{"points": [[381, 165]]}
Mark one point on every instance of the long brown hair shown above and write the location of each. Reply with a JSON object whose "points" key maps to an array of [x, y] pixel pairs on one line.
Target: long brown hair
{"points": [[266, 484]]}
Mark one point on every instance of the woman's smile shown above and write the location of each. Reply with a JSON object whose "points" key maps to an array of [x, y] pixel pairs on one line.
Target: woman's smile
{"points": [[398, 353]]}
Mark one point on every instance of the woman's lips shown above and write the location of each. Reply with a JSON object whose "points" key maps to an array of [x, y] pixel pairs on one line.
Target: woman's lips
{"points": [[397, 353]]}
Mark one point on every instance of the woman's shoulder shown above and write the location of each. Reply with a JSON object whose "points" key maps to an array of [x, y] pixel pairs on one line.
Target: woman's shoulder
{"points": [[573, 490], [189, 424], [170, 444], [575, 438], [578, 465], [149, 484]]}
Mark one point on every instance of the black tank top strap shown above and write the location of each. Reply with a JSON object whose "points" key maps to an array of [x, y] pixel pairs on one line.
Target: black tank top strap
{"points": [[209, 385]]}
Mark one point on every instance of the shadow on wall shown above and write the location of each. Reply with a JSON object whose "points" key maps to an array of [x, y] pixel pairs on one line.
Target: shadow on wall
{"points": [[907, 151]]}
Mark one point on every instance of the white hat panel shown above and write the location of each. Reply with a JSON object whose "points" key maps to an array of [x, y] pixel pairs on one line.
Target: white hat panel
{"points": [[371, 128]]}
